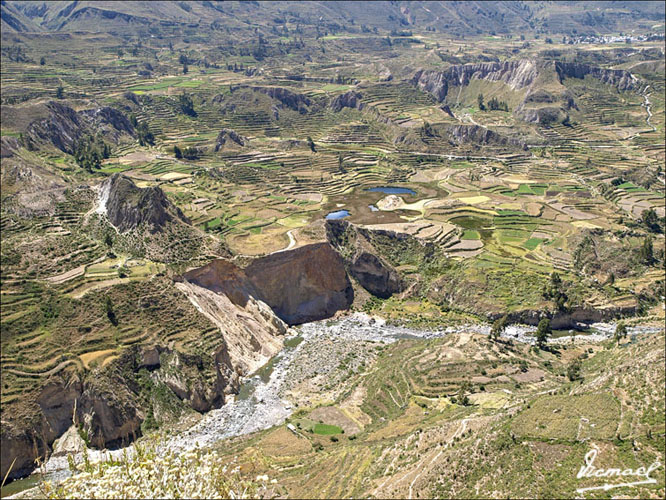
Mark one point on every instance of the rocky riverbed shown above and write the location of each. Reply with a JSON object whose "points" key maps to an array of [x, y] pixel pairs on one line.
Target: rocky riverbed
{"points": [[269, 397]]}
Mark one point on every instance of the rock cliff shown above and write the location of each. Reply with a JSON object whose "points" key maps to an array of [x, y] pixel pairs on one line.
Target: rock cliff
{"points": [[619, 78], [224, 294], [128, 206], [111, 403], [289, 99], [305, 284], [475, 134], [362, 259], [64, 127], [229, 137], [351, 99], [516, 74], [530, 79]]}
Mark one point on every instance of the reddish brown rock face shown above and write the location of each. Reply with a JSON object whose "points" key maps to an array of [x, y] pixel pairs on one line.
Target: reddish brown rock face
{"points": [[306, 284], [222, 276]]}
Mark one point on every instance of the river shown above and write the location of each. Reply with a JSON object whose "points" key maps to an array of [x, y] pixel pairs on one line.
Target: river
{"points": [[259, 405]]}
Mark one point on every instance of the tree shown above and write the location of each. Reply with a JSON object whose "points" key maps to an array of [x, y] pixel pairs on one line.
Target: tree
{"points": [[646, 251], [462, 398], [498, 327], [110, 313], [479, 100], [311, 144], [620, 332], [186, 105], [146, 137], [108, 240], [185, 69], [177, 152], [651, 220], [191, 153], [573, 370], [555, 279], [89, 152], [60, 93], [543, 332], [427, 129]]}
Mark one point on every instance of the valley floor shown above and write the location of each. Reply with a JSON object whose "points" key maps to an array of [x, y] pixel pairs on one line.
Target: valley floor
{"points": [[358, 407]]}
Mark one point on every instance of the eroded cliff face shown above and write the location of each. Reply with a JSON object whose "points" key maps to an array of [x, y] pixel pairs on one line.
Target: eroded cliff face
{"points": [[128, 206], [28, 435], [362, 259], [377, 277], [476, 134], [530, 79], [351, 99], [64, 127], [111, 403], [516, 74], [619, 78], [251, 330], [287, 98], [228, 137], [305, 284]]}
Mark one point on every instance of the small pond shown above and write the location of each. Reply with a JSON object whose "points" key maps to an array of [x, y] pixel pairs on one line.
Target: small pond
{"points": [[391, 190], [338, 214]]}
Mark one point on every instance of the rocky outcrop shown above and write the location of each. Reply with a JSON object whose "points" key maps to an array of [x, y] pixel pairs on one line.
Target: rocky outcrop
{"points": [[8, 146], [292, 100], [21, 445], [351, 99], [231, 137], [530, 78], [545, 115], [64, 127], [111, 404], [29, 190], [475, 134], [572, 318], [128, 206], [224, 294], [305, 284], [26, 437], [374, 275], [516, 74], [447, 110], [362, 259], [619, 78]]}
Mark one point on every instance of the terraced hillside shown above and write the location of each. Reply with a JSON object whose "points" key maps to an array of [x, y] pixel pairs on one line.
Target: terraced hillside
{"points": [[463, 417], [487, 159]]}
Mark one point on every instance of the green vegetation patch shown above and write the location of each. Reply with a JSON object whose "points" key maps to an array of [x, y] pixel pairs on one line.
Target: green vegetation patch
{"points": [[532, 243], [326, 429]]}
